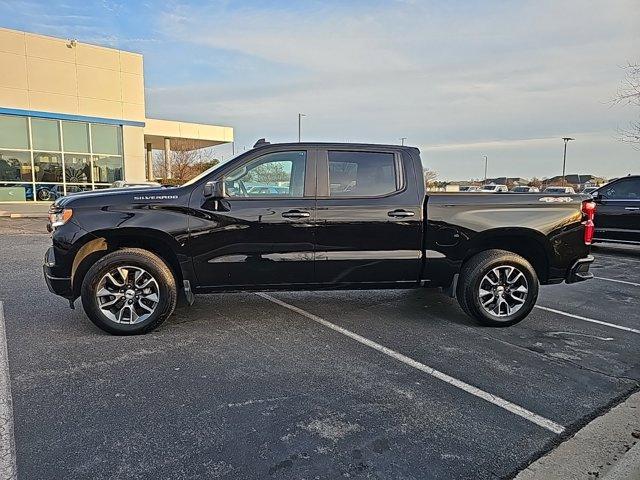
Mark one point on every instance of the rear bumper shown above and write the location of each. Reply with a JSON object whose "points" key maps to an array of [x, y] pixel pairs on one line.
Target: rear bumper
{"points": [[58, 285], [579, 271]]}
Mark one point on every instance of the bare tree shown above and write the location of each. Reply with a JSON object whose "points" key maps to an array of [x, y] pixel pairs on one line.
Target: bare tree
{"points": [[186, 160], [535, 182], [430, 177], [629, 94]]}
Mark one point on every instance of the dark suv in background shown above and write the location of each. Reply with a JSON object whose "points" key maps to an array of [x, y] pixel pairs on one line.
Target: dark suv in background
{"points": [[618, 206]]}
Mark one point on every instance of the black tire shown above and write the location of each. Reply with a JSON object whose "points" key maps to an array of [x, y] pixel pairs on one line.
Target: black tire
{"points": [[43, 194], [135, 257], [474, 272]]}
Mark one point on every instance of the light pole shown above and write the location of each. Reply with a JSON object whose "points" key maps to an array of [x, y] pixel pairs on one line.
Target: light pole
{"points": [[300, 115], [486, 164], [402, 139], [564, 160]]}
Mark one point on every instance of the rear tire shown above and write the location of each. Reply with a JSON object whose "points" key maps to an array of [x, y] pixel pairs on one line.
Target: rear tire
{"points": [[498, 288], [129, 292]]}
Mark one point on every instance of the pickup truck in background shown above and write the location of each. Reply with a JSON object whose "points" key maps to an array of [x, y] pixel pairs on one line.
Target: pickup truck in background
{"points": [[618, 204], [338, 216]]}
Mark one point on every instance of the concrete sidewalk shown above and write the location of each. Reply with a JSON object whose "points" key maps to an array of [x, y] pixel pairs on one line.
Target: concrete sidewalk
{"points": [[628, 467], [24, 210]]}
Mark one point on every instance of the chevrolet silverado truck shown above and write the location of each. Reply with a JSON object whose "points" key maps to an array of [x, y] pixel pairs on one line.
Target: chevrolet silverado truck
{"points": [[311, 216]]}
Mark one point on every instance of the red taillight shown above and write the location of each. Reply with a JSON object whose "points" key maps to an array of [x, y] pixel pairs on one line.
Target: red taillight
{"points": [[589, 214]]}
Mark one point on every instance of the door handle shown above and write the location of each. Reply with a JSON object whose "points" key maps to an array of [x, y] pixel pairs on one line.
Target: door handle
{"points": [[400, 213], [632, 208], [296, 214]]}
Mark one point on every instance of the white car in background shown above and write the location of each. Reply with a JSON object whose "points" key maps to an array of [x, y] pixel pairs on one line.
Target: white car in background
{"points": [[494, 188], [125, 184], [589, 190]]}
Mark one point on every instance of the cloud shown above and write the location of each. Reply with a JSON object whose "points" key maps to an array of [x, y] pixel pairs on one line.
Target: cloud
{"points": [[470, 77]]}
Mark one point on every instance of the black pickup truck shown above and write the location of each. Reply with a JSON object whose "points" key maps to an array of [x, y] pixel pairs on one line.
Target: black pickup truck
{"points": [[311, 216]]}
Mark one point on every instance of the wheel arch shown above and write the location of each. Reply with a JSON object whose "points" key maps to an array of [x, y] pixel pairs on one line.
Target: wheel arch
{"points": [[160, 243], [530, 244]]}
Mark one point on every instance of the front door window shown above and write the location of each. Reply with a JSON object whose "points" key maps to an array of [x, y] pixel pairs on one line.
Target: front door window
{"points": [[278, 174]]}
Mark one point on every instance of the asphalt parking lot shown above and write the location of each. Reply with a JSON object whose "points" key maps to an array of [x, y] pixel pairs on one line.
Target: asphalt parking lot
{"points": [[377, 384]]}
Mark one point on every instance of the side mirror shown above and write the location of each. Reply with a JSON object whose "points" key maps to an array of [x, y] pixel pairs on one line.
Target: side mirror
{"points": [[597, 197], [214, 189]]}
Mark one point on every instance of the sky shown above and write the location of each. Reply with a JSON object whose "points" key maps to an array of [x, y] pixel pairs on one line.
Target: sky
{"points": [[458, 79]]}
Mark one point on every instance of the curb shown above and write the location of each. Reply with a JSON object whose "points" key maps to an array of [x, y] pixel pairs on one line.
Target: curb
{"points": [[28, 215], [627, 468], [4, 214], [606, 447]]}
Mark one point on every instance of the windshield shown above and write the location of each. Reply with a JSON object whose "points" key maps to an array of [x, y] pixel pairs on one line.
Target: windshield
{"points": [[207, 172], [489, 187]]}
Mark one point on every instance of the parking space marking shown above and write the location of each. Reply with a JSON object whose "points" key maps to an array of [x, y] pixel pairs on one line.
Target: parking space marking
{"points": [[494, 399], [618, 281], [592, 320], [7, 439]]}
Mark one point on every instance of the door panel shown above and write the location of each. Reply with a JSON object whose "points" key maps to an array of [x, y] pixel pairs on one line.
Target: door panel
{"points": [[369, 219], [618, 211], [262, 232]]}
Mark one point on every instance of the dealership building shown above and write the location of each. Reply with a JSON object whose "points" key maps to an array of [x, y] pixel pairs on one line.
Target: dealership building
{"points": [[72, 117]]}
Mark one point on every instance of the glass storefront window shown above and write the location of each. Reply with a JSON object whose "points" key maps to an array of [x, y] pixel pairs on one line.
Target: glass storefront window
{"points": [[75, 136], [48, 167], [106, 139], [45, 134], [43, 159], [77, 188], [14, 132], [107, 169], [16, 192], [48, 193], [77, 168], [15, 166]]}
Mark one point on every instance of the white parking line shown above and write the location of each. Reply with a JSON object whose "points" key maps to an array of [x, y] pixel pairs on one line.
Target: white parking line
{"points": [[585, 319], [7, 441], [494, 399], [618, 281]]}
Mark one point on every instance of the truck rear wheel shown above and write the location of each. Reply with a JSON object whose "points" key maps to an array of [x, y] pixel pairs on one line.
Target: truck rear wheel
{"points": [[129, 292], [498, 288]]}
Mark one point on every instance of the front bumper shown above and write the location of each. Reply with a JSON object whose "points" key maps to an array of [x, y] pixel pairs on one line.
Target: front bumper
{"points": [[579, 271], [58, 285]]}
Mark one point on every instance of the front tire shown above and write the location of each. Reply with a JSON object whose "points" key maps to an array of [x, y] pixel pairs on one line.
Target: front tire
{"points": [[498, 288], [129, 292]]}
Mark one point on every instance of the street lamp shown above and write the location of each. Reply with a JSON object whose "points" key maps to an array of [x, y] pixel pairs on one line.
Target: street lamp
{"points": [[486, 164], [402, 139], [564, 160], [300, 115]]}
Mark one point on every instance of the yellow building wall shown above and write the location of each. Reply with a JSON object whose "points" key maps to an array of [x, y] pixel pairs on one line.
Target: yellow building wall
{"points": [[53, 75], [58, 76], [134, 153]]}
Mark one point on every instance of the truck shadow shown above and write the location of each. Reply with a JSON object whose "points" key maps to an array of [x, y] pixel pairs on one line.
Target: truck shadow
{"points": [[422, 306]]}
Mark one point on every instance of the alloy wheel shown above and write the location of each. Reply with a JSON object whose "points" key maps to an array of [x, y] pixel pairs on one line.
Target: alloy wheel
{"points": [[127, 294], [503, 291]]}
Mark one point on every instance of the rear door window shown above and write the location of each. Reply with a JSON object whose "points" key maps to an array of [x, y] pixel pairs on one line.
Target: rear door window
{"points": [[362, 174]]}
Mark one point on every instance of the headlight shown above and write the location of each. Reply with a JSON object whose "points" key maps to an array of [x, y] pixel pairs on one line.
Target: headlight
{"points": [[58, 218]]}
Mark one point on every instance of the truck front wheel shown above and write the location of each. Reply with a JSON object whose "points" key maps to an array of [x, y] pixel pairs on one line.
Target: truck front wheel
{"points": [[129, 292], [497, 287]]}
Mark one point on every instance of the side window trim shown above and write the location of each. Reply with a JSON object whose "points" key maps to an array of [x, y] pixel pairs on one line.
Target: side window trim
{"points": [[323, 188]]}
